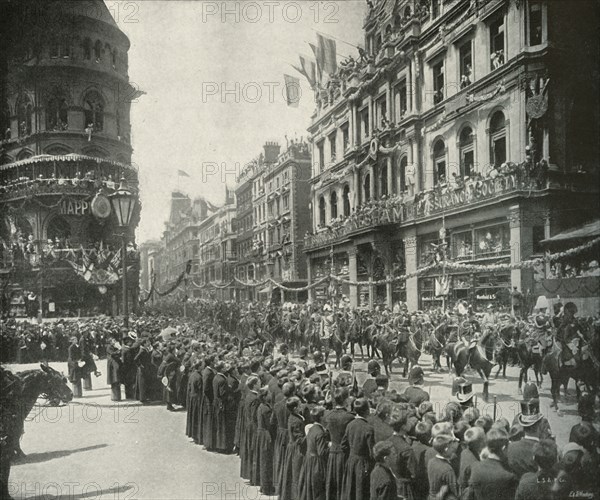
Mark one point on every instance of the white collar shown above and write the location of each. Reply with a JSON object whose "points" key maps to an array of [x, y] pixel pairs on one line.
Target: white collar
{"points": [[531, 438]]}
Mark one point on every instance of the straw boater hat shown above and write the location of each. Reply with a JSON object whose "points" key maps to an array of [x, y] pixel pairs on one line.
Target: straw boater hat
{"points": [[530, 406], [462, 389]]}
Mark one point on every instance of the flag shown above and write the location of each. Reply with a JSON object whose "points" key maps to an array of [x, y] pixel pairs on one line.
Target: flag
{"points": [[292, 90], [442, 286], [326, 48], [309, 69], [182, 173], [319, 62]]}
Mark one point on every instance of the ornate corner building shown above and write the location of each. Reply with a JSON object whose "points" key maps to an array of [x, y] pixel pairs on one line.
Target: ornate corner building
{"points": [[466, 130], [65, 146]]}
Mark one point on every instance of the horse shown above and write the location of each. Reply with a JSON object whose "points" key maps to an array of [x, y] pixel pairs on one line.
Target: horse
{"points": [[462, 355], [505, 345], [531, 355], [585, 373], [338, 340], [357, 334], [410, 350], [436, 343], [388, 345], [17, 403]]}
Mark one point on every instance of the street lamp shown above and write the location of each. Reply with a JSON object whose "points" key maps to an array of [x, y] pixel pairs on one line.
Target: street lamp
{"points": [[123, 203]]}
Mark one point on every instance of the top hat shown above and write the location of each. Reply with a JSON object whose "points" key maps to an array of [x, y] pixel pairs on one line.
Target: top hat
{"points": [[530, 412], [462, 389]]}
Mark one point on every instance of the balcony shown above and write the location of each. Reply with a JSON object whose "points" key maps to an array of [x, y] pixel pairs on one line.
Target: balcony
{"points": [[444, 199]]}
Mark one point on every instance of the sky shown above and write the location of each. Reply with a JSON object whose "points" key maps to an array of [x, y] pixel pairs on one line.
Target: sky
{"points": [[213, 77]]}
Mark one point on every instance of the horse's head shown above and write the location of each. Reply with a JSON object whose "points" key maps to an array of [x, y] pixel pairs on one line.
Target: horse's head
{"points": [[54, 385]]}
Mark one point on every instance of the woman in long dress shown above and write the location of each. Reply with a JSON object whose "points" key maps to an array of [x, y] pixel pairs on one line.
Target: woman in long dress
{"points": [[294, 455], [314, 470]]}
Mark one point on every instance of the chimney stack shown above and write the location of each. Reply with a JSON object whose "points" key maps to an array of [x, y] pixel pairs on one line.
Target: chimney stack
{"points": [[272, 150]]}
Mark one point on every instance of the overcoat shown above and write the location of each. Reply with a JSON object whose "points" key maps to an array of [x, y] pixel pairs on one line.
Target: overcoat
{"points": [[314, 469], [294, 457], [358, 442], [336, 422], [262, 464], [220, 395]]}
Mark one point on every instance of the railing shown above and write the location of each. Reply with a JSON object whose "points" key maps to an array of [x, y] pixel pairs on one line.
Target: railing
{"points": [[402, 209]]}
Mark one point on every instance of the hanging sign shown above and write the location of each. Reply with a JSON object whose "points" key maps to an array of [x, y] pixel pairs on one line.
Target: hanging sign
{"points": [[79, 207], [100, 206]]}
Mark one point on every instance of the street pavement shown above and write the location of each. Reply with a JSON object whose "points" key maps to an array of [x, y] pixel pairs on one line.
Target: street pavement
{"points": [[96, 449]]}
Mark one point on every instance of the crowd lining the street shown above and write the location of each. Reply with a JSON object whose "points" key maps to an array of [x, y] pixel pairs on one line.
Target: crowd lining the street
{"points": [[304, 432]]}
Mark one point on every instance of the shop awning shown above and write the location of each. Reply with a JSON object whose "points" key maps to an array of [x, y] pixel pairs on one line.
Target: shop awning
{"points": [[589, 230]]}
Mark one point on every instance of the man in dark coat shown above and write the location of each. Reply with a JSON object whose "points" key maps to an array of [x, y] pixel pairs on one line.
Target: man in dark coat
{"points": [[193, 405], [208, 375], [370, 385], [520, 453], [231, 404], [475, 442], [129, 368], [489, 477], [168, 373], [144, 378], [113, 368], [75, 371], [414, 394], [358, 442], [220, 397], [336, 422]]}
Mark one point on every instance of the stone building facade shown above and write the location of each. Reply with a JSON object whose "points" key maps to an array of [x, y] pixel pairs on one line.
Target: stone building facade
{"points": [[461, 134]]}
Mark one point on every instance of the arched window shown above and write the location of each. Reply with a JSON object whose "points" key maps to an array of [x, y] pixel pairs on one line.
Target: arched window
{"points": [[58, 228], [57, 114], [114, 58], [24, 112], [394, 186], [87, 49], [439, 162], [367, 187], [333, 204], [65, 47], [403, 165], [24, 154], [322, 211], [397, 20], [98, 50], [94, 110], [383, 180], [346, 199], [498, 139], [467, 152], [407, 12]]}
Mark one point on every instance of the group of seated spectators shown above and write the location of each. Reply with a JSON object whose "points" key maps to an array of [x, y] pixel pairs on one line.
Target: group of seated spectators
{"points": [[90, 179], [580, 269]]}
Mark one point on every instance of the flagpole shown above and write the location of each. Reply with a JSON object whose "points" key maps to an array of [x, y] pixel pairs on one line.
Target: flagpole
{"points": [[335, 38]]}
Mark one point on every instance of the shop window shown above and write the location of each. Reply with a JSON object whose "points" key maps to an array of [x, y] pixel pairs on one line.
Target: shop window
{"points": [[467, 154], [346, 197], [498, 139], [492, 241], [439, 162], [98, 50], [462, 245], [534, 24]]}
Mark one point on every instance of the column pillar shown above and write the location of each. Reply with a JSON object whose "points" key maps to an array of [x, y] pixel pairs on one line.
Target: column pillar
{"points": [[352, 124], [372, 184], [311, 294], [353, 272], [521, 243], [410, 255], [356, 189], [391, 188]]}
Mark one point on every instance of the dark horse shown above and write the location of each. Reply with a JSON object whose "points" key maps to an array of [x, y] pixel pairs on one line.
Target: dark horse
{"points": [[505, 346], [585, 373], [410, 350], [461, 356], [359, 334], [437, 342], [19, 395], [531, 353]]}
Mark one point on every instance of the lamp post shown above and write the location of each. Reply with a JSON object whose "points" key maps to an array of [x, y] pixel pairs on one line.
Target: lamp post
{"points": [[123, 204]]}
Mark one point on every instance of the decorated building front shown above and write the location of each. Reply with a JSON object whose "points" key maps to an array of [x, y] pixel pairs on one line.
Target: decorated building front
{"points": [[65, 150], [448, 150]]}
